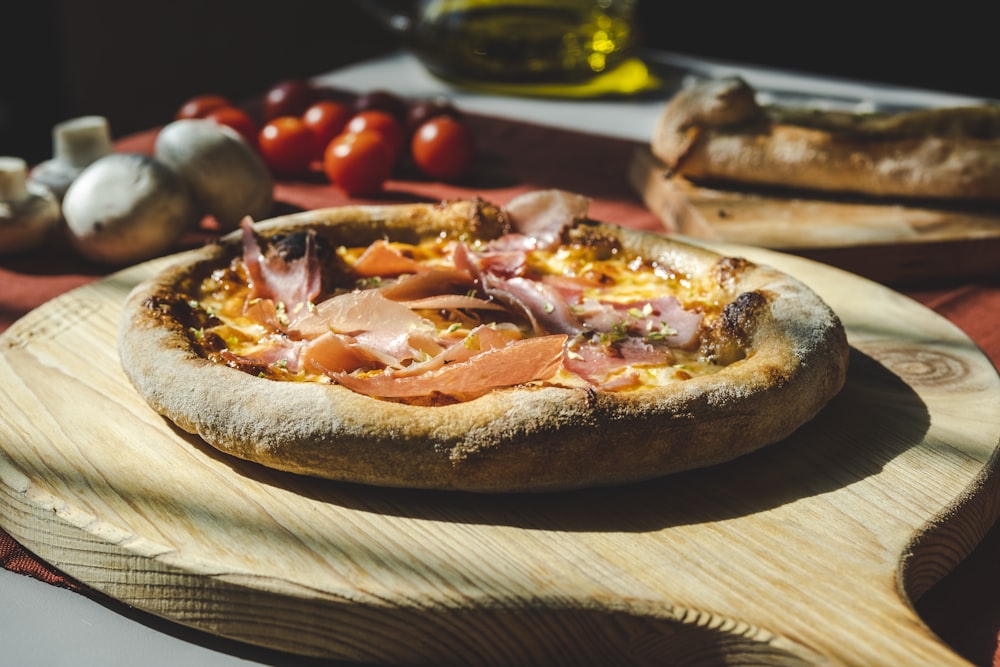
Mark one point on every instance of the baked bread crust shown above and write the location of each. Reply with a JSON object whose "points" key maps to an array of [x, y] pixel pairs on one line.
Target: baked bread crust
{"points": [[527, 438], [716, 132]]}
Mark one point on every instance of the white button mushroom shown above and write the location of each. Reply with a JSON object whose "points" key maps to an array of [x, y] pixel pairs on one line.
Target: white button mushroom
{"points": [[229, 179], [27, 212], [127, 207], [76, 144]]}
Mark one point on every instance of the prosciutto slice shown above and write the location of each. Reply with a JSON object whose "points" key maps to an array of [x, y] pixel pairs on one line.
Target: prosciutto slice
{"points": [[516, 363], [292, 283], [427, 284], [543, 214], [543, 305], [501, 280], [451, 302], [381, 259], [277, 350], [357, 311], [613, 368], [662, 318], [332, 353], [481, 339]]}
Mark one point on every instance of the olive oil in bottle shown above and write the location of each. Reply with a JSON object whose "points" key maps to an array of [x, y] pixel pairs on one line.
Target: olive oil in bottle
{"points": [[527, 41]]}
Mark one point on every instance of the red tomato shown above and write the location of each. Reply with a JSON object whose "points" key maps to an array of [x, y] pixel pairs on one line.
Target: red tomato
{"points": [[286, 145], [381, 100], [237, 119], [326, 120], [358, 163], [288, 98], [443, 148], [200, 106], [424, 110], [382, 122]]}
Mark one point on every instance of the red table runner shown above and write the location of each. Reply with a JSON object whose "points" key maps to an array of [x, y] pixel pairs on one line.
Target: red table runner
{"points": [[964, 609]]}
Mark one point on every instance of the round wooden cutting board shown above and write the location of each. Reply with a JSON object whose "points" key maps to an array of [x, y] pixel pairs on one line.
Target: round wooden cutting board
{"points": [[807, 551]]}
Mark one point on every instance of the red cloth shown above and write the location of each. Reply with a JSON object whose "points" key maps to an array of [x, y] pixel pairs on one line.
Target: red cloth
{"points": [[518, 157]]}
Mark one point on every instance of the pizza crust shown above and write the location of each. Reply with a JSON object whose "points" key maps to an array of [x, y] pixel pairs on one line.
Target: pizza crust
{"points": [[716, 132], [532, 438]]}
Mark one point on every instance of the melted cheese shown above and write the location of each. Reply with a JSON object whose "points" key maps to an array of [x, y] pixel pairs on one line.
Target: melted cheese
{"points": [[614, 279]]}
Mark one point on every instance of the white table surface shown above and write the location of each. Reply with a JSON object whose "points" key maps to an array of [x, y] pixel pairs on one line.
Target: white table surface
{"points": [[44, 625], [634, 119]]}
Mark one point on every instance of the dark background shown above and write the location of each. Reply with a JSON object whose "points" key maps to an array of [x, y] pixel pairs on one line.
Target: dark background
{"points": [[135, 62]]}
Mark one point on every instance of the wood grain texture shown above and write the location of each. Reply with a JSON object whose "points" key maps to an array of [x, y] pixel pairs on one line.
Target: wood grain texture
{"points": [[896, 244], [806, 552]]}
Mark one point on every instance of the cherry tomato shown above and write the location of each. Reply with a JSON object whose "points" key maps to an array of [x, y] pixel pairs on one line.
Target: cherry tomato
{"points": [[200, 106], [326, 119], [237, 119], [288, 98], [384, 124], [424, 110], [358, 163], [381, 100], [443, 148], [286, 145]]}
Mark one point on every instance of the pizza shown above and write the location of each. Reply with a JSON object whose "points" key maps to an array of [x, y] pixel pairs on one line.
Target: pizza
{"points": [[717, 133], [467, 346]]}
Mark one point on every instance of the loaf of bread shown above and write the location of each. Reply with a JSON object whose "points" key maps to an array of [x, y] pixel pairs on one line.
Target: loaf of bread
{"points": [[716, 132]]}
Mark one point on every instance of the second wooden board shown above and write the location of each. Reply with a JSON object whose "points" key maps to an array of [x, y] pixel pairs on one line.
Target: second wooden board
{"points": [[893, 243]]}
